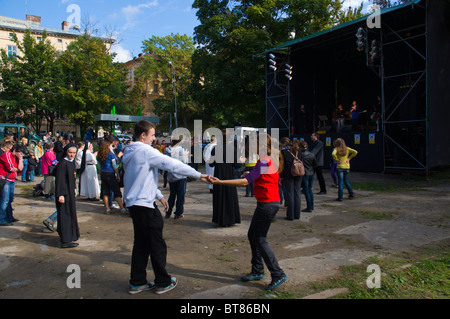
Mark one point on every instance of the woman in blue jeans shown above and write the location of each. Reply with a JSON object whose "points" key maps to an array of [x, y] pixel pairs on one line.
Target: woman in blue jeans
{"points": [[342, 155], [343, 180], [11, 162]]}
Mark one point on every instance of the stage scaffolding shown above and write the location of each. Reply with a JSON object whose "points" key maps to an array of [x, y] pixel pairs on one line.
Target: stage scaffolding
{"points": [[405, 80]]}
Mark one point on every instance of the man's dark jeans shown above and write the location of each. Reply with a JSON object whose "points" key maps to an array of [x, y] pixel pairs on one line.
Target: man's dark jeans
{"points": [[178, 192]]}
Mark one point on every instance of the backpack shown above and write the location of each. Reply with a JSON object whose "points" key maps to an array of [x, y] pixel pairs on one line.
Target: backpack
{"points": [[297, 168]]}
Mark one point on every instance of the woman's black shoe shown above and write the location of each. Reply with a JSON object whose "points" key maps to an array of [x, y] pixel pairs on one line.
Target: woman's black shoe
{"points": [[69, 245]]}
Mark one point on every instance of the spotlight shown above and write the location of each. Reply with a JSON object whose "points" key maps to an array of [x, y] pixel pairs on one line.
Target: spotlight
{"points": [[360, 36], [288, 71], [272, 62], [375, 52]]}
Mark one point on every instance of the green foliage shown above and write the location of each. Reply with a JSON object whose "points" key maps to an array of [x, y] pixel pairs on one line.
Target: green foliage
{"points": [[30, 81], [228, 68], [91, 80], [176, 49]]}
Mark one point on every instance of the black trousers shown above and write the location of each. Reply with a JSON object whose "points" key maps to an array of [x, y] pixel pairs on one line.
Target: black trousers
{"points": [[323, 187], [257, 236], [148, 242]]}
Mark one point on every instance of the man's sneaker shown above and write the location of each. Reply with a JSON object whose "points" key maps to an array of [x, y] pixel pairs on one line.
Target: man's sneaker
{"points": [[252, 276], [162, 290], [276, 283], [137, 289], [49, 225], [178, 216]]}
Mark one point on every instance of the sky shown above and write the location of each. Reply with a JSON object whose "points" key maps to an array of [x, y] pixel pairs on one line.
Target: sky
{"points": [[130, 21]]}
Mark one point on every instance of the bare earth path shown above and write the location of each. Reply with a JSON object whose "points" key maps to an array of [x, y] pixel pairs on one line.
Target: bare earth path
{"points": [[207, 260]]}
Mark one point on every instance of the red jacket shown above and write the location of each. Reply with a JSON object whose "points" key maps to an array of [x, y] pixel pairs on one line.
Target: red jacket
{"points": [[7, 164], [265, 178]]}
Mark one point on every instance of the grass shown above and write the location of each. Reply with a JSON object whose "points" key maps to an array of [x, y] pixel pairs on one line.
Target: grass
{"points": [[383, 187], [373, 215], [421, 277]]}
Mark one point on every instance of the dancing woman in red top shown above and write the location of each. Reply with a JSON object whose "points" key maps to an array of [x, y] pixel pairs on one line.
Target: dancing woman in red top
{"points": [[265, 179]]}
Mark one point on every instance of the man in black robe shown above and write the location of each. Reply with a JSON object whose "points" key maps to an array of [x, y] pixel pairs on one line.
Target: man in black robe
{"points": [[65, 195]]}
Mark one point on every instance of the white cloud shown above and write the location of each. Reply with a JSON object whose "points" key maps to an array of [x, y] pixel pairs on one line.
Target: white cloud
{"points": [[130, 12], [123, 55]]}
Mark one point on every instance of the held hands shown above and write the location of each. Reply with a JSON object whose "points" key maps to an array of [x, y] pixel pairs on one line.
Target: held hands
{"points": [[213, 180], [209, 179]]}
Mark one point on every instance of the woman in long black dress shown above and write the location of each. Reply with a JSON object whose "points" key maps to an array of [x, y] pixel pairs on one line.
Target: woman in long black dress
{"points": [[225, 200], [65, 195]]}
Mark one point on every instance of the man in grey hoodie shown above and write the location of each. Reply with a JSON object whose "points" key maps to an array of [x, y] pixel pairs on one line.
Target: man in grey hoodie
{"points": [[141, 163]]}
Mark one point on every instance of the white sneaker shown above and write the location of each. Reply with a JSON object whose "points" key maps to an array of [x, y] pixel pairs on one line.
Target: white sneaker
{"points": [[162, 290]]}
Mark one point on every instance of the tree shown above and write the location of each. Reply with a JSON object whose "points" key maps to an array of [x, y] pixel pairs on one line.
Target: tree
{"points": [[159, 51], [228, 66], [30, 81], [91, 80]]}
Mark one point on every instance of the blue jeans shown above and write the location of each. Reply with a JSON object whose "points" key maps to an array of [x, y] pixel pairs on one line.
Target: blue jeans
{"points": [[53, 218], [31, 176], [178, 192], [6, 199], [24, 171], [307, 187], [343, 180]]}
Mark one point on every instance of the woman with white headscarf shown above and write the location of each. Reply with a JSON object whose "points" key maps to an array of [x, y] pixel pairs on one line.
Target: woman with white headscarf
{"points": [[89, 186]]}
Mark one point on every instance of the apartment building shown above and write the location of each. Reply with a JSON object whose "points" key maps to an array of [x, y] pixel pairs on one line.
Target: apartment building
{"points": [[59, 38], [152, 87]]}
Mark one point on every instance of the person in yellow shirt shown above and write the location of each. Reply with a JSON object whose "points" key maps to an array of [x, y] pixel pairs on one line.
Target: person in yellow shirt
{"points": [[342, 155]]}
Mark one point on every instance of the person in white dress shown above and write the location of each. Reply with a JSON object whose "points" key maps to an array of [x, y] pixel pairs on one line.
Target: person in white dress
{"points": [[207, 156], [89, 186]]}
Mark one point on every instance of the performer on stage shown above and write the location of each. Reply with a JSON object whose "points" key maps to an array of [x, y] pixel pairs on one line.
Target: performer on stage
{"points": [[355, 116]]}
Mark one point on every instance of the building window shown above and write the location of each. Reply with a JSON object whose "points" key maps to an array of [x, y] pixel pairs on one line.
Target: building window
{"points": [[155, 87], [39, 38], [11, 34], [59, 40], [12, 51]]}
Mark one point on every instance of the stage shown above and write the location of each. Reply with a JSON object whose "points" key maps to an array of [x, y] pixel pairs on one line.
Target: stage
{"points": [[403, 82]]}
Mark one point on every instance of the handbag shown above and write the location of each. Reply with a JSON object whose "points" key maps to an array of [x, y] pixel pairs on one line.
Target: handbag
{"points": [[3, 182], [52, 170], [297, 168]]}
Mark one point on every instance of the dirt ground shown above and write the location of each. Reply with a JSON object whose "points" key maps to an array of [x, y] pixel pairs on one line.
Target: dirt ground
{"points": [[208, 260]]}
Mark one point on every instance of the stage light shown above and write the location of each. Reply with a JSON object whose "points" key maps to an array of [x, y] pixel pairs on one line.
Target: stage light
{"points": [[360, 36], [288, 71], [375, 52], [272, 62]]}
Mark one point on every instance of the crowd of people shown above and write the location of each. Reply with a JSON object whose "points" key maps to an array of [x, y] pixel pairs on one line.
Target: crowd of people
{"points": [[136, 166]]}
